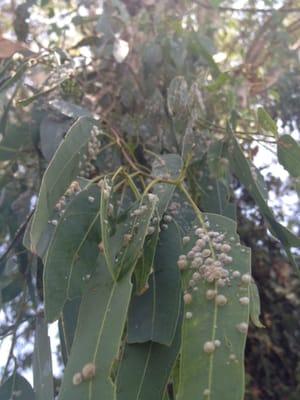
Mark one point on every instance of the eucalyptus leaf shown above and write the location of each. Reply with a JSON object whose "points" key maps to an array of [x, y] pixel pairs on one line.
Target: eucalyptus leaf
{"points": [[100, 325], [266, 122], [52, 131], [215, 325], [153, 316], [62, 169], [177, 96], [73, 251], [288, 151], [67, 325], [168, 165], [255, 306], [241, 168], [68, 109], [42, 363], [145, 369], [123, 248], [15, 78], [16, 387]]}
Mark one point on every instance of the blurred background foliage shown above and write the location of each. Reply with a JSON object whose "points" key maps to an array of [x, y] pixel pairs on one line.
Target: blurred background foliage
{"points": [[116, 59]]}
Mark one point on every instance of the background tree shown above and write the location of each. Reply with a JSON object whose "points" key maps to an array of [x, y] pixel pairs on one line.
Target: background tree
{"points": [[102, 106]]}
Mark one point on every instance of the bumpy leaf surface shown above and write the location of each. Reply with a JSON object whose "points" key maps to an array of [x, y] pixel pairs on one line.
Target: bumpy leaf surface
{"points": [[73, 251], [101, 320], [62, 169], [219, 373]]}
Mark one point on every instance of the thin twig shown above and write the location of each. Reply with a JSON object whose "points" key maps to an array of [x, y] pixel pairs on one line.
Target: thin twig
{"points": [[19, 233]]}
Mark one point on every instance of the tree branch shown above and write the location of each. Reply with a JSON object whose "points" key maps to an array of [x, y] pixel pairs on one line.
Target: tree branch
{"points": [[250, 9]]}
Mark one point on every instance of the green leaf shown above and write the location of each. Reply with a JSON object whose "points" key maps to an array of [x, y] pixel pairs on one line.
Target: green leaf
{"points": [[215, 199], [152, 56], [16, 387], [145, 369], [62, 169], [255, 306], [145, 262], [100, 325], [259, 180], [266, 122], [52, 131], [122, 248], [241, 169], [17, 138], [200, 46], [47, 235], [220, 373], [177, 96], [67, 325], [12, 80], [214, 190], [288, 151], [11, 280], [42, 364], [195, 102], [68, 109], [73, 251], [168, 165], [218, 83], [154, 315]]}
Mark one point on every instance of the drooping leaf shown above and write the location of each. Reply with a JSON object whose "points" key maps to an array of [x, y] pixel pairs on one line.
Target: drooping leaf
{"points": [[68, 109], [62, 169], [260, 181], [152, 56], [16, 387], [146, 367], [177, 96], [195, 102], [288, 151], [266, 122], [122, 248], [146, 260], [12, 289], [201, 46], [17, 139], [47, 235], [195, 142], [14, 79], [42, 364], [4, 119], [241, 169], [101, 321], [52, 131], [214, 335], [67, 325], [73, 251], [255, 306], [214, 188], [168, 166], [153, 316]]}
